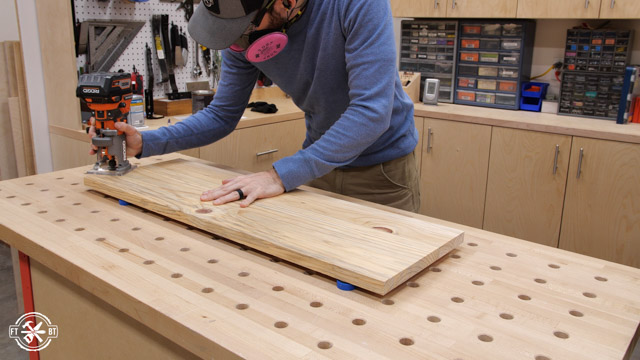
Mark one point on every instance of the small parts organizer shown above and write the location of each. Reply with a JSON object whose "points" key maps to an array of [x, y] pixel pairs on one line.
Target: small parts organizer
{"points": [[494, 58], [429, 47], [595, 61]]}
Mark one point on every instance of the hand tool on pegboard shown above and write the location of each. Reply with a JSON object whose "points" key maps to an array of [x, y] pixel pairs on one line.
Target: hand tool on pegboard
{"points": [[148, 92], [105, 41]]}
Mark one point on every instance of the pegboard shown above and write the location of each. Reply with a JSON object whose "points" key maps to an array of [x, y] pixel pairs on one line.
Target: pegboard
{"points": [[134, 54]]}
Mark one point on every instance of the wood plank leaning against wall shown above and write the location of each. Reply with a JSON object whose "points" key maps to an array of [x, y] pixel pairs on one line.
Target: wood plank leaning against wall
{"points": [[16, 145]]}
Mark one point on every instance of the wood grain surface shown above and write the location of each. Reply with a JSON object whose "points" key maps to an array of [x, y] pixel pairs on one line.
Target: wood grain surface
{"points": [[493, 297], [372, 249]]}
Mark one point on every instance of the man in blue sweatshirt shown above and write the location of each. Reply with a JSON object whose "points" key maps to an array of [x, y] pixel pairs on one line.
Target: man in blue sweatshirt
{"points": [[337, 61]]}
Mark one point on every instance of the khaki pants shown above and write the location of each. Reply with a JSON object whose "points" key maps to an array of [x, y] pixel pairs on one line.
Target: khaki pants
{"points": [[395, 183]]}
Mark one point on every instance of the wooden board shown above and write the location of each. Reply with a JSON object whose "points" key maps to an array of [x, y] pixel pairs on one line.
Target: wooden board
{"points": [[172, 107], [494, 297], [372, 249]]}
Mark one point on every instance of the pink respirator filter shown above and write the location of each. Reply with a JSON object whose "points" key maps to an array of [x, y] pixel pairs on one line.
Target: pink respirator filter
{"points": [[266, 47]]}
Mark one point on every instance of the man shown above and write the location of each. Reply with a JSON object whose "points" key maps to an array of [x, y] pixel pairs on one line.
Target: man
{"points": [[337, 61]]}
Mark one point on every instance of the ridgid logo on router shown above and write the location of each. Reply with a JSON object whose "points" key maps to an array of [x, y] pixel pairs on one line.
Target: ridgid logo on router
{"points": [[33, 331], [91, 91]]}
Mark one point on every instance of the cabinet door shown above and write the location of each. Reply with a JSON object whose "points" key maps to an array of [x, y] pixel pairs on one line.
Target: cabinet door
{"points": [[257, 148], [554, 9], [419, 8], [482, 8], [526, 183], [455, 158], [620, 9], [602, 205]]}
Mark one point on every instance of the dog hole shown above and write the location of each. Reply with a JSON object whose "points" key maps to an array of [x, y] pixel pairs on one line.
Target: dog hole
{"points": [[76, 204], [243, 274], [59, 196], [433, 319], [506, 316], [589, 295], [413, 284], [101, 239], [25, 204], [60, 220], [456, 299], [115, 219], [79, 229], [388, 302], [406, 341], [455, 256], [542, 357], [324, 345], [185, 249], [477, 283], [524, 297], [511, 255], [472, 244], [136, 229], [277, 288], [496, 268], [124, 250], [159, 238], [207, 290], [95, 211], [148, 262], [540, 281], [576, 313], [176, 275], [11, 196], [554, 266], [561, 334], [44, 190], [42, 212], [203, 211], [242, 306], [315, 304], [600, 278], [435, 269], [212, 261], [280, 324], [358, 322], [485, 338]]}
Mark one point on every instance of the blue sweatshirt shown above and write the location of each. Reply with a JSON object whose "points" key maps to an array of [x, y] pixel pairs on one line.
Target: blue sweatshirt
{"points": [[339, 67]]}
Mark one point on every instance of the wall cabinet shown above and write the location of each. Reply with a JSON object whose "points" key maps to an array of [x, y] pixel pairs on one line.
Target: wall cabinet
{"points": [[620, 9], [601, 215], [554, 9], [256, 148], [455, 159], [454, 8], [526, 183], [419, 8]]}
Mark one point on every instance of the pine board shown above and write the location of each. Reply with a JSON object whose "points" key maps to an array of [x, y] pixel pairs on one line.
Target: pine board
{"points": [[373, 249]]}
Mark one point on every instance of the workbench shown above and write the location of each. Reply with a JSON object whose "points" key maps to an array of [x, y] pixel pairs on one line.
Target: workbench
{"points": [[122, 282]]}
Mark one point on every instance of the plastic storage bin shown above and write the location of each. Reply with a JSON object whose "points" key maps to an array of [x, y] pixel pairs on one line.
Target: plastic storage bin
{"points": [[532, 95]]}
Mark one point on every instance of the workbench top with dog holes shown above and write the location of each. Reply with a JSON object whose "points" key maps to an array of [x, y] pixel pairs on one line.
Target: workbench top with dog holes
{"points": [[169, 285]]}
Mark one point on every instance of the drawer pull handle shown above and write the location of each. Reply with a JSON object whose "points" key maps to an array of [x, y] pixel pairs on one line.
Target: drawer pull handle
{"points": [[267, 152], [586, 4], [435, 4], [613, 3], [555, 159], [429, 132], [580, 163], [453, 4]]}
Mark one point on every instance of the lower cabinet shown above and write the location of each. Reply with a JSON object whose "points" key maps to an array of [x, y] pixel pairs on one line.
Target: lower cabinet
{"points": [[453, 179], [526, 183], [601, 215], [257, 148]]}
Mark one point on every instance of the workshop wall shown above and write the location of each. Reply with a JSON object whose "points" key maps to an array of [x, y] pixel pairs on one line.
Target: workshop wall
{"points": [[8, 21], [135, 52]]}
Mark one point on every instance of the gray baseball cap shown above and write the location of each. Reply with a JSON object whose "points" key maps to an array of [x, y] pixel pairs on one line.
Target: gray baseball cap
{"points": [[217, 24]]}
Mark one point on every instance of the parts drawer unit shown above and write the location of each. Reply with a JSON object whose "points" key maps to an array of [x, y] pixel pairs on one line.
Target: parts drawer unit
{"points": [[594, 68], [494, 58], [429, 47]]}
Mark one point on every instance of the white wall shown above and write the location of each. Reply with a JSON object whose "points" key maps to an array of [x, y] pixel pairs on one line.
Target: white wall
{"points": [[8, 21]]}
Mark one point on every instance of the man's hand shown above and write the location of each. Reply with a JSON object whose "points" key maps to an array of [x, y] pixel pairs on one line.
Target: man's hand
{"points": [[254, 186], [133, 138]]}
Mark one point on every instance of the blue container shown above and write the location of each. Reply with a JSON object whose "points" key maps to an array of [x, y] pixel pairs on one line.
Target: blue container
{"points": [[532, 100]]}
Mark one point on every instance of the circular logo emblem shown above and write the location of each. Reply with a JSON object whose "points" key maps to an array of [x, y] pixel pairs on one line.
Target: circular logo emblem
{"points": [[33, 331]]}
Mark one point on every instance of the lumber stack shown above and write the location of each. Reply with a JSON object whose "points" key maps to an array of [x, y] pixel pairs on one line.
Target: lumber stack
{"points": [[16, 145]]}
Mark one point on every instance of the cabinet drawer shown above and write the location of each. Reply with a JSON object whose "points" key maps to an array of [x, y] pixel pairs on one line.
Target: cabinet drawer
{"points": [[257, 148]]}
